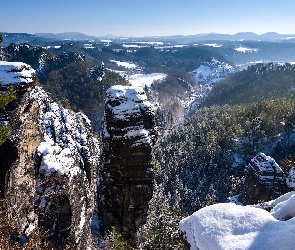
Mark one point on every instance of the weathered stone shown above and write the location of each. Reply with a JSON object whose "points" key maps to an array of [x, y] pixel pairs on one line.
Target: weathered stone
{"points": [[264, 180], [50, 162], [128, 138]]}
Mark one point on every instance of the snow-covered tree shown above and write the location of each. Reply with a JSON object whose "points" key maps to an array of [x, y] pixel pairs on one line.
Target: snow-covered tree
{"points": [[97, 72]]}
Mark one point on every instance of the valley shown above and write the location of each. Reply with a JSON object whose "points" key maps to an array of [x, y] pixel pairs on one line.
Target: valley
{"points": [[133, 142]]}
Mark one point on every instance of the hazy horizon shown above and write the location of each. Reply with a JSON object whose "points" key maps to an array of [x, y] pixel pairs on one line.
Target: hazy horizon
{"points": [[152, 18]]}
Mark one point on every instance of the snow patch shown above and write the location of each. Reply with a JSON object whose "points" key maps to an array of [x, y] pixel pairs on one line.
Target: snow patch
{"points": [[82, 217], [244, 50], [142, 80], [127, 65]]}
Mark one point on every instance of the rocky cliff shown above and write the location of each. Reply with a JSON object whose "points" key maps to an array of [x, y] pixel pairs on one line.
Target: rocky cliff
{"points": [[50, 162], [128, 137], [264, 180]]}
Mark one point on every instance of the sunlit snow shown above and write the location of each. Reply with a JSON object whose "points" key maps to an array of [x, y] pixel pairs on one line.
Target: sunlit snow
{"points": [[244, 50], [227, 226], [127, 65], [142, 80], [15, 73]]}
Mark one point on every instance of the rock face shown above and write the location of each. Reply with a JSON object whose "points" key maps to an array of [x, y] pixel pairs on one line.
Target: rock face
{"points": [[264, 180], [51, 162], [128, 137]]}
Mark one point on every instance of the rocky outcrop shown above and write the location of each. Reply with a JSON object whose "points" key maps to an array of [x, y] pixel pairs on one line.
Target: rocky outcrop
{"points": [[67, 160], [264, 180], [128, 137], [51, 162]]}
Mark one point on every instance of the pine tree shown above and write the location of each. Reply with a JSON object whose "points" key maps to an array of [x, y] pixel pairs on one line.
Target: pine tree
{"points": [[4, 100]]}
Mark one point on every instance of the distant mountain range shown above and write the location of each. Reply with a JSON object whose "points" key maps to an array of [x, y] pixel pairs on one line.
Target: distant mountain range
{"points": [[270, 36], [67, 36]]}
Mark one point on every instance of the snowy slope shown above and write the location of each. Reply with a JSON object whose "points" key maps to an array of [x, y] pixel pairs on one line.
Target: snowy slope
{"points": [[142, 80], [211, 72], [133, 75]]}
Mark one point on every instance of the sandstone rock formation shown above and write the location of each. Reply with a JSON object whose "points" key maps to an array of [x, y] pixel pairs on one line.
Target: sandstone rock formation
{"points": [[50, 162], [264, 180], [128, 137]]}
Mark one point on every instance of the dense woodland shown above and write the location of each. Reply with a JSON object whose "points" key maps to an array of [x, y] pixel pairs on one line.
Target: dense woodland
{"points": [[259, 81]]}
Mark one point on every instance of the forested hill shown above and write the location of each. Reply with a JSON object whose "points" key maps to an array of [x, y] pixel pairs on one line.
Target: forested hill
{"points": [[260, 81]]}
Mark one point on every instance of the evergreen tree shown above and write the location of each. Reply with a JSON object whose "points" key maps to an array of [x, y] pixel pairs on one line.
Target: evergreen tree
{"points": [[4, 100]]}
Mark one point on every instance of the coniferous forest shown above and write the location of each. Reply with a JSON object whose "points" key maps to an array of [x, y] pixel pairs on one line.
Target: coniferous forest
{"points": [[211, 117]]}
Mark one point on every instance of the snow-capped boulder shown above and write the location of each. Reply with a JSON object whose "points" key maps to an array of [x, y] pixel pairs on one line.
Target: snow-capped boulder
{"points": [[18, 74], [128, 136], [264, 180], [227, 226]]}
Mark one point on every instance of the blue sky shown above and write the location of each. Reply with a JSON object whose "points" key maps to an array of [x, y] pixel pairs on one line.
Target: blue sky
{"points": [[148, 17]]}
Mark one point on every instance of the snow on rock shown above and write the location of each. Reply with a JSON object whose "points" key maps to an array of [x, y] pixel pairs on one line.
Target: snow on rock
{"points": [[265, 167], [65, 137], [227, 226], [264, 180], [67, 159], [125, 101], [129, 134], [16, 73], [290, 180], [284, 206]]}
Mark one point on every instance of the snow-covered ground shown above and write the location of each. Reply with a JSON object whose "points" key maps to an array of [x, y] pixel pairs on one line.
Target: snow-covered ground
{"points": [[215, 45], [227, 226], [137, 79], [142, 80], [127, 65], [206, 75], [244, 49], [211, 72]]}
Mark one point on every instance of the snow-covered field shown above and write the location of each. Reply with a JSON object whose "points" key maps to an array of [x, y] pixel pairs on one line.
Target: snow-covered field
{"points": [[137, 79], [244, 50], [206, 75], [142, 80], [127, 65]]}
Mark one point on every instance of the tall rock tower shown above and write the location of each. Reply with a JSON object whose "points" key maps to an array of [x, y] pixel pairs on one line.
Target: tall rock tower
{"points": [[128, 137]]}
